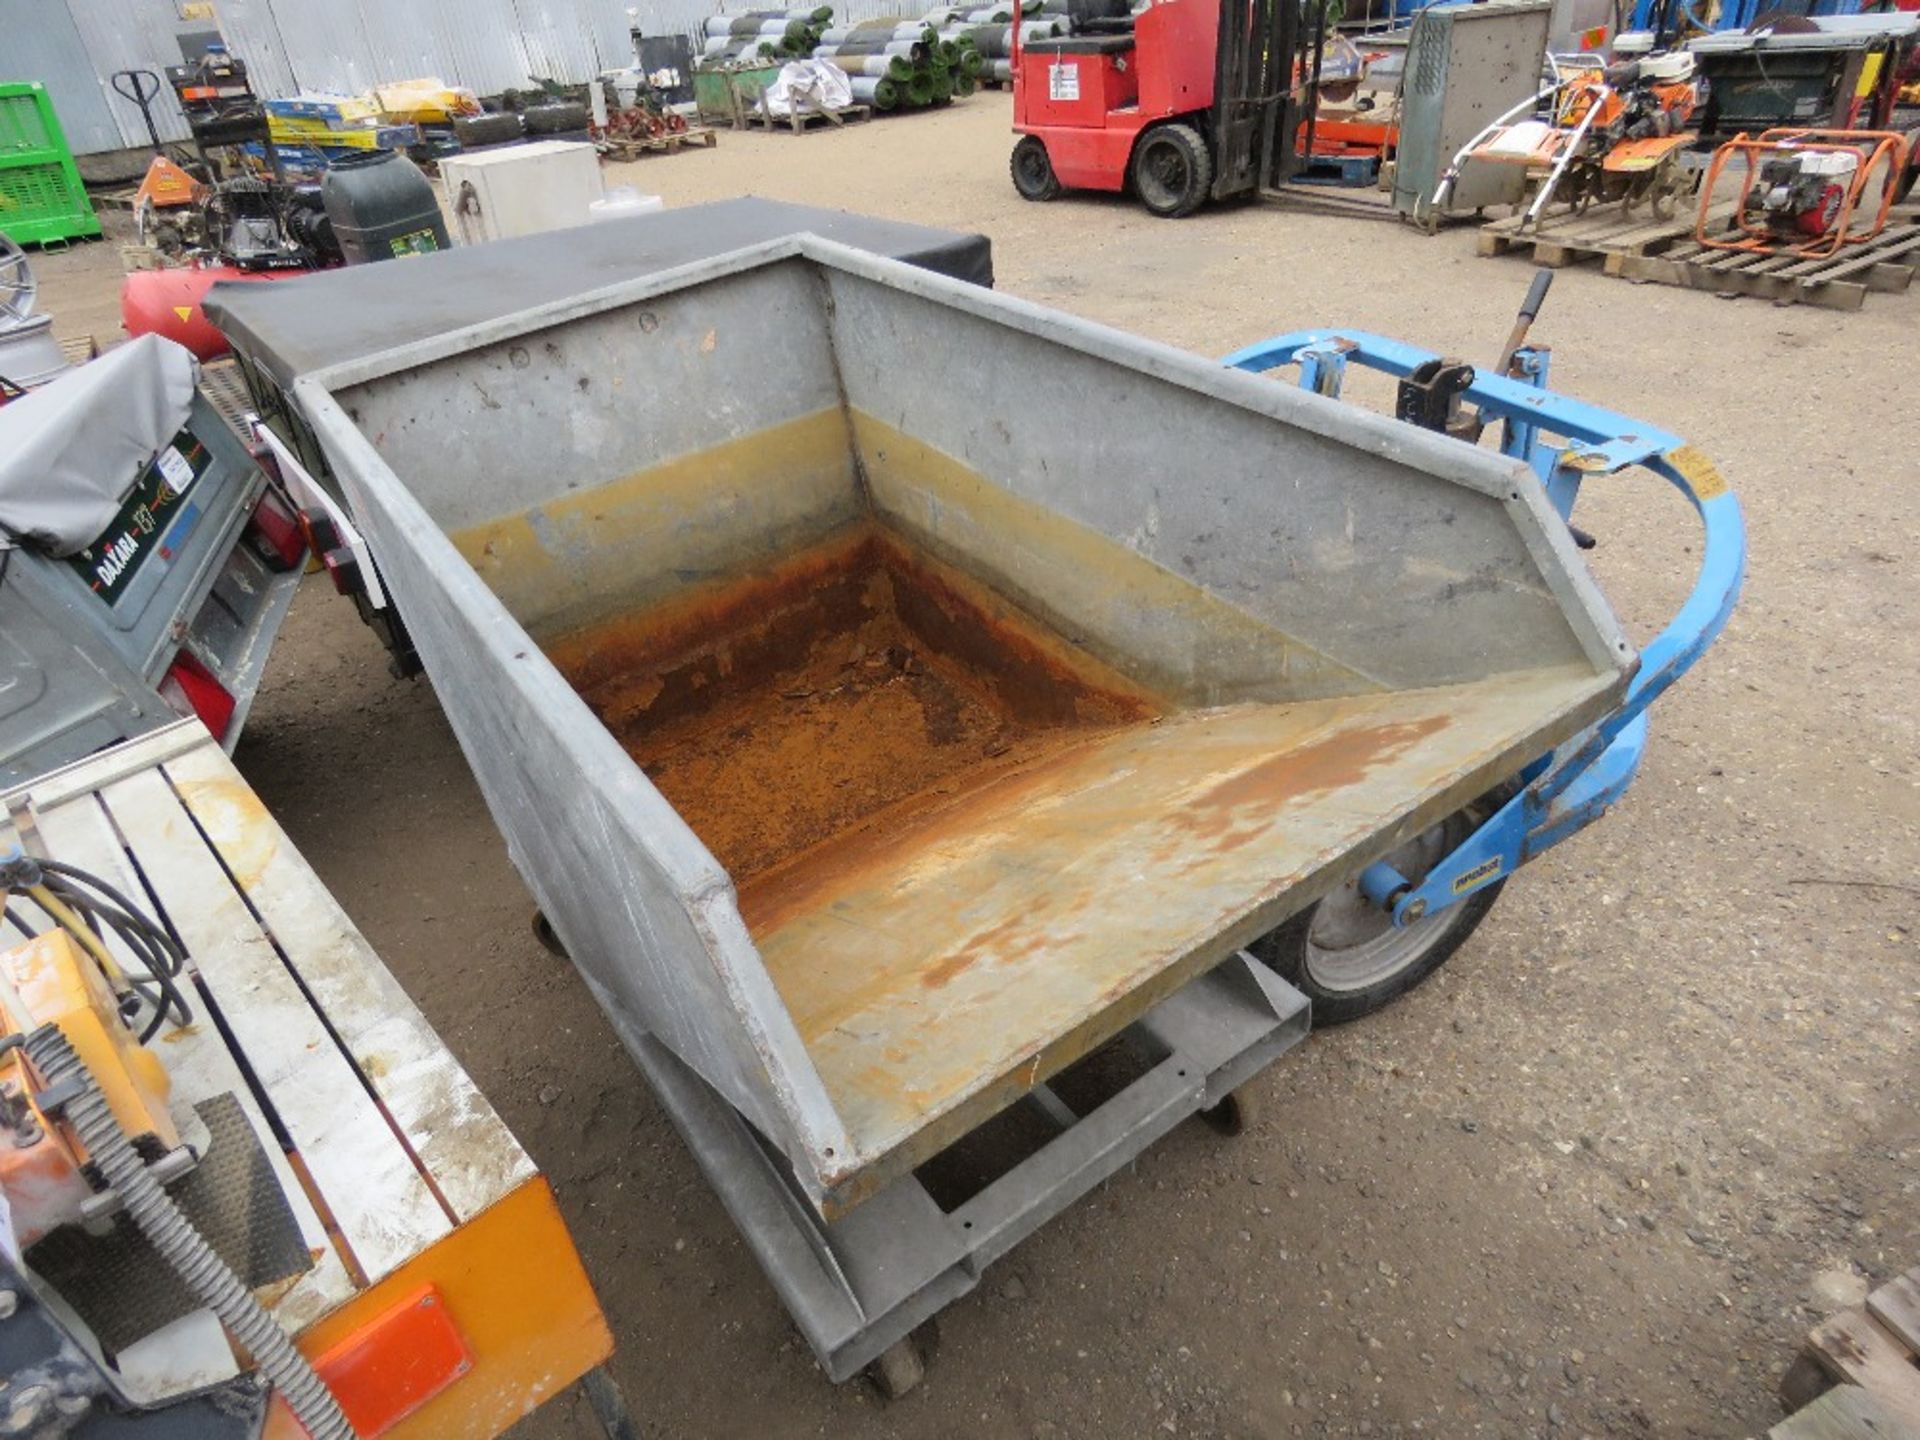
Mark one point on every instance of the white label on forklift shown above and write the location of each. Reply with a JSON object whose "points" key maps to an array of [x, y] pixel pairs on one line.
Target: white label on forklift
{"points": [[175, 469], [1063, 80]]}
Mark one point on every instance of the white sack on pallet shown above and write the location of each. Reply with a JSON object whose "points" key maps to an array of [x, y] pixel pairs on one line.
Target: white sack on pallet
{"points": [[804, 86]]}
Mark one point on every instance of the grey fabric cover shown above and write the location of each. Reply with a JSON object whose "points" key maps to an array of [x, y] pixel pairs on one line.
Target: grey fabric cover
{"points": [[70, 451]]}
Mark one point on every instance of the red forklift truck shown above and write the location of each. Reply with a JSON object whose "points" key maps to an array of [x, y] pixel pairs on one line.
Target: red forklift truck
{"points": [[1184, 101]]}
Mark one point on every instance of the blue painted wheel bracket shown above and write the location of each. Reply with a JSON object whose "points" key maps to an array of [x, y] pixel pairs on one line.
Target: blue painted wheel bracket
{"points": [[1564, 441]]}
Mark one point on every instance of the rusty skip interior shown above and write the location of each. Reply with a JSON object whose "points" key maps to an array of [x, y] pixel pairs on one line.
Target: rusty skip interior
{"points": [[842, 691], [969, 845]]}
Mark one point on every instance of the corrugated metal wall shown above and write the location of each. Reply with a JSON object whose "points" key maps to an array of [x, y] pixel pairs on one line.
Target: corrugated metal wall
{"points": [[341, 45], [42, 44]]}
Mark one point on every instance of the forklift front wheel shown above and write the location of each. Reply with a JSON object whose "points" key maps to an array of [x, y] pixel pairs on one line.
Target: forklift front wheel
{"points": [[1172, 170], [1032, 171]]}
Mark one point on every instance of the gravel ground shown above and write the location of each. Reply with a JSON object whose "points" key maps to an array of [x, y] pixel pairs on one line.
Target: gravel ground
{"points": [[1596, 1178]]}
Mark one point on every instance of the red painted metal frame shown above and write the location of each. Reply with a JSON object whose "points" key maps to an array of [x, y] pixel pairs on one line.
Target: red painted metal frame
{"points": [[1169, 74]]}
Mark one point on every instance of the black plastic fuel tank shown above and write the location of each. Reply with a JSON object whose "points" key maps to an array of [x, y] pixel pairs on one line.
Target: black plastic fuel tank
{"points": [[383, 208]]}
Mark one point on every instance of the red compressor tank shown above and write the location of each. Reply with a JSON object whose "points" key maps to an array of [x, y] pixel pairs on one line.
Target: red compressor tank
{"points": [[167, 302]]}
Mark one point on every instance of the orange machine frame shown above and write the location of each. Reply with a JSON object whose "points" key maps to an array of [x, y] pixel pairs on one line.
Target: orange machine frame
{"points": [[468, 1336], [1872, 146]]}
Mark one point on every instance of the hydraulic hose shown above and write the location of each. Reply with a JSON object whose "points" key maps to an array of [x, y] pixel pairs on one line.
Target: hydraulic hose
{"points": [[182, 1246]]}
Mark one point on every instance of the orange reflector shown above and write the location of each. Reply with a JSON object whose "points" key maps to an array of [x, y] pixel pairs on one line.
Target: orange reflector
{"points": [[395, 1363]]}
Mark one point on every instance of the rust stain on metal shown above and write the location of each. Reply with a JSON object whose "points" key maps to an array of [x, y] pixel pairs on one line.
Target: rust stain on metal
{"points": [[640, 543], [236, 823], [1319, 767], [939, 964], [1014, 938], [860, 682], [811, 880], [967, 848]]}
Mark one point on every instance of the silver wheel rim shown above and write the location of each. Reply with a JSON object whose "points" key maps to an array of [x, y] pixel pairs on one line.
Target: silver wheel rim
{"points": [[1352, 944], [17, 285]]}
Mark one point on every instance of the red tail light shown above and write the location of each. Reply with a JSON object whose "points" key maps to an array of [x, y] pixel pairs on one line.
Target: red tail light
{"points": [[277, 534], [190, 688], [343, 569]]}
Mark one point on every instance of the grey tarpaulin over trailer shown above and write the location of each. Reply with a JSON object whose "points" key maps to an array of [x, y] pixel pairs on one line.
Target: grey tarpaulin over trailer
{"points": [[71, 451], [294, 327]]}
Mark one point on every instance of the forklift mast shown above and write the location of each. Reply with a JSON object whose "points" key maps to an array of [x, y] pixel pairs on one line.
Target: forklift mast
{"points": [[1267, 71]]}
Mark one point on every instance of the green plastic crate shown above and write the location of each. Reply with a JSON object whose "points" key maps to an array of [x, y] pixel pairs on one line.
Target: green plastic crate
{"points": [[41, 197]]}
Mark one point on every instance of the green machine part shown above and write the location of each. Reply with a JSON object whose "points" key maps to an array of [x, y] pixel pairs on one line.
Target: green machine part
{"points": [[41, 197]]}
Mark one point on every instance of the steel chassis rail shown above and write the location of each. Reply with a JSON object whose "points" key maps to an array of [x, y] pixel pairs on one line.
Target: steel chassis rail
{"points": [[860, 1286]]}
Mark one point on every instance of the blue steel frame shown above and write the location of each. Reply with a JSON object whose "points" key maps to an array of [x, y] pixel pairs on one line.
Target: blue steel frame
{"points": [[1564, 441]]}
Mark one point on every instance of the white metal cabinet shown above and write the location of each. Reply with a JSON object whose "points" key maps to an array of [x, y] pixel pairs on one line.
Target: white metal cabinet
{"points": [[521, 189]]}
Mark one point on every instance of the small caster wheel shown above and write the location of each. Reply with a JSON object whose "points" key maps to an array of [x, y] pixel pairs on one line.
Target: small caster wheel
{"points": [[1233, 1113], [1804, 1383], [609, 1406], [544, 932], [903, 1364]]}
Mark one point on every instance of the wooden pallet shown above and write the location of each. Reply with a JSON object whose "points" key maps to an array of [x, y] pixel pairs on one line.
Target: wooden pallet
{"points": [[1602, 232], [1859, 1373], [1839, 282], [671, 144], [801, 123]]}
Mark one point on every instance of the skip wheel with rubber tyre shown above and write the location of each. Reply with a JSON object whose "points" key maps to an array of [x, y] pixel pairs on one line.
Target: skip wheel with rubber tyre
{"points": [[1233, 1113], [544, 932], [1172, 171], [1032, 170], [903, 1364], [1344, 953]]}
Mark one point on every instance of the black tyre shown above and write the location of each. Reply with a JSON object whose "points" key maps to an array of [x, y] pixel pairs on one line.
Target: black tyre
{"points": [[1343, 952], [1032, 170], [474, 132], [1903, 183], [544, 932], [554, 119], [1172, 170], [903, 1365]]}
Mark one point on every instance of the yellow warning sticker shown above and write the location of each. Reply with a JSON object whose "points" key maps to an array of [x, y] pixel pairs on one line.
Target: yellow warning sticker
{"points": [[1698, 471], [185, 312], [1485, 870]]}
